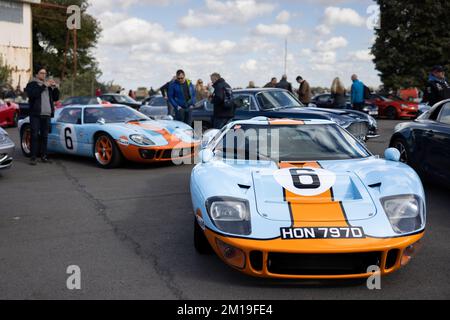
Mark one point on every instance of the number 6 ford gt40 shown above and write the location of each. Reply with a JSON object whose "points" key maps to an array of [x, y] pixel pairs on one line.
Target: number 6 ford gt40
{"points": [[304, 199], [111, 133]]}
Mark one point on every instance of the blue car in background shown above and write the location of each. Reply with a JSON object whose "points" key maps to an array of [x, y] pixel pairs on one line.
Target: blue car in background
{"points": [[279, 103], [425, 143]]}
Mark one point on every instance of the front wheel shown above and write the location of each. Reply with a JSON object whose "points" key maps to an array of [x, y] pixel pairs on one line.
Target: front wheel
{"points": [[106, 152], [391, 113], [25, 140], [401, 146]]}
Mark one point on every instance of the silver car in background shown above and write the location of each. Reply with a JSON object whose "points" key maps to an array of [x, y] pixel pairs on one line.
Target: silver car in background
{"points": [[6, 150]]}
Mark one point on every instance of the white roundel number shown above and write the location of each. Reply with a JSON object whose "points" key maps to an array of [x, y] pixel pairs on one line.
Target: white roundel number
{"points": [[306, 182], [68, 138]]}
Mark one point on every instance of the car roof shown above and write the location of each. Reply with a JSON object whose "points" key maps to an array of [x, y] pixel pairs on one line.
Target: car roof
{"points": [[256, 90], [263, 121], [83, 106]]}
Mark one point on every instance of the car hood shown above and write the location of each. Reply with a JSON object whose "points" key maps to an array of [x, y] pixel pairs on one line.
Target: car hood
{"points": [[347, 190], [330, 114]]}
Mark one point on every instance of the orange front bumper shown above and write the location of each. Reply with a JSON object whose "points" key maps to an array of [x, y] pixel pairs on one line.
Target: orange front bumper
{"points": [[335, 247], [184, 152]]}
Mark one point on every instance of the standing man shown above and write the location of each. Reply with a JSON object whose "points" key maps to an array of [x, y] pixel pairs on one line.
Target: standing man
{"points": [[272, 84], [182, 97], [357, 93], [41, 94], [304, 91], [437, 88], [223, 112], [285, 84]]}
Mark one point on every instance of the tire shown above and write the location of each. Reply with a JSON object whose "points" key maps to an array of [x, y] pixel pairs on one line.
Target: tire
{"points": [[25, 140], [401, 145], [391, 113], [106, 152], [201, 244]]}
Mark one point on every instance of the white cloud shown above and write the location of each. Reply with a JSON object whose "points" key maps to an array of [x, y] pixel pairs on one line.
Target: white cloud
{"points": [[249, 65], [332, 44], [224, 12], [283, 17], [346, 16], [323, 29], [278, 30], [361, 55]]}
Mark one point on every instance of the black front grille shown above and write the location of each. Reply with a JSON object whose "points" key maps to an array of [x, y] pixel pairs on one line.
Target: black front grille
{"points": [[256, 260], [391, 258], [359, 129], [322, 264]]}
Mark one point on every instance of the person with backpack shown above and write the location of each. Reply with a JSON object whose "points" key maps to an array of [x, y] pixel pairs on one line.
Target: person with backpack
{"points": [[359, 93], [222, 99], [182, 97]]}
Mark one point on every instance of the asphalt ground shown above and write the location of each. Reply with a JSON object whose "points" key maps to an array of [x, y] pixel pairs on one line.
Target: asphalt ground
{"points": [[130, 232]]}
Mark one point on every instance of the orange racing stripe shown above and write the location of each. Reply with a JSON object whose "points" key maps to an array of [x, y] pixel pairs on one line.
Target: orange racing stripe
{"points": [[314, 211]]}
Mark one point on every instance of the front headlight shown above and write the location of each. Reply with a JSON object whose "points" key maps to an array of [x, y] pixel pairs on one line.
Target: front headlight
{"points": [[373, 122], [404, 106], [230, 215], [142, 140], [404, 212], [4, 139]]}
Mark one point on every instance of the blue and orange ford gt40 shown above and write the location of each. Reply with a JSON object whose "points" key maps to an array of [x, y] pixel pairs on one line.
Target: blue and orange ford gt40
{"points": [[304, 200], [111, 133]]}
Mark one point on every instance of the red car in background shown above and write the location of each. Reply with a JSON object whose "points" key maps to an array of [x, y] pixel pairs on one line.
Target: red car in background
{"points": [[9, 114], [393, 107]]}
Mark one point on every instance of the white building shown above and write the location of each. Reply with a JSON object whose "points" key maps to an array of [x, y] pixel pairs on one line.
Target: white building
{"points": [[16, 38]]}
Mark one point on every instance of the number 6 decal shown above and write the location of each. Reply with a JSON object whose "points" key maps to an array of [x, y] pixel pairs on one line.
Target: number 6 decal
{"points": [[68, 138], [306, 182]]}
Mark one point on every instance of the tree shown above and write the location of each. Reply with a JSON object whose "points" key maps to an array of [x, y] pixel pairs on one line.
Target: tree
{"points": [[49, 38], [414, 36], [5, 72]]}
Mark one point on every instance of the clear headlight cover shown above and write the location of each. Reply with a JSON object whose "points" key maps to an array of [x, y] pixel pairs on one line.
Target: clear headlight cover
{"points": [[230, 215], [4, 139], [405, 213], [142, 140]]}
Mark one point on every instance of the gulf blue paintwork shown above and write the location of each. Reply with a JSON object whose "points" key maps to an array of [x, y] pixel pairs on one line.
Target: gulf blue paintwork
{"points": [[82, 135], [359, 186]]}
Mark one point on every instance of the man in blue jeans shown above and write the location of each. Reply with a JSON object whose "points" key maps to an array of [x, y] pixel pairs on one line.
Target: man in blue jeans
{"points": [[357, 93], [182, 97]]}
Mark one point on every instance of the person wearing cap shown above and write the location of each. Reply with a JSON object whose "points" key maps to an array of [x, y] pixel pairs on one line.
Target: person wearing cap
{"points": [[437, 88], [304, 91]]}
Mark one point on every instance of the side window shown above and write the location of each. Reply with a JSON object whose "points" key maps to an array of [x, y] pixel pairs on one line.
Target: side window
{"points": [[108, 98], [243, 103], [324, 98], [444, 116], [70, 115]]}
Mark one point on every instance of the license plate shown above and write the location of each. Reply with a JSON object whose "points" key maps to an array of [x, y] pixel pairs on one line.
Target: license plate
{"points": [[322, 233]]}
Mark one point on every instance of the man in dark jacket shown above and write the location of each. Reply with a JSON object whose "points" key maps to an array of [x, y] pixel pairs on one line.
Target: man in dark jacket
{"points": [[438, 88], [285, 84], [272, 84], [222, 113], [41, 94], [182, 97], [304, 91]]}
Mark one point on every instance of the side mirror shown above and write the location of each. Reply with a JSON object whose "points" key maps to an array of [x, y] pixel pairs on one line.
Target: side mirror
{"points": [[101, 121], [206, 155], [392, 154], [208, 137]]}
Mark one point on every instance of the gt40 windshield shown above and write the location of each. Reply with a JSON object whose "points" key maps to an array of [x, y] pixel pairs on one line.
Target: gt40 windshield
{"points": [[112, 115], [309, 142]]}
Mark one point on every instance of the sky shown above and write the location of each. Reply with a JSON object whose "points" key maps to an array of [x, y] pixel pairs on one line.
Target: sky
{"points": [[144, 42]]}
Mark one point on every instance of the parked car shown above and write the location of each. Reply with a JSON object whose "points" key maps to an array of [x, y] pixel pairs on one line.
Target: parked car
{"points": [[121, 99], [318, 205], [393, 107], [425, 143], [110, 134], [155, 107], [6, 150], [279, 103], [9, 114], [326, 101]]}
